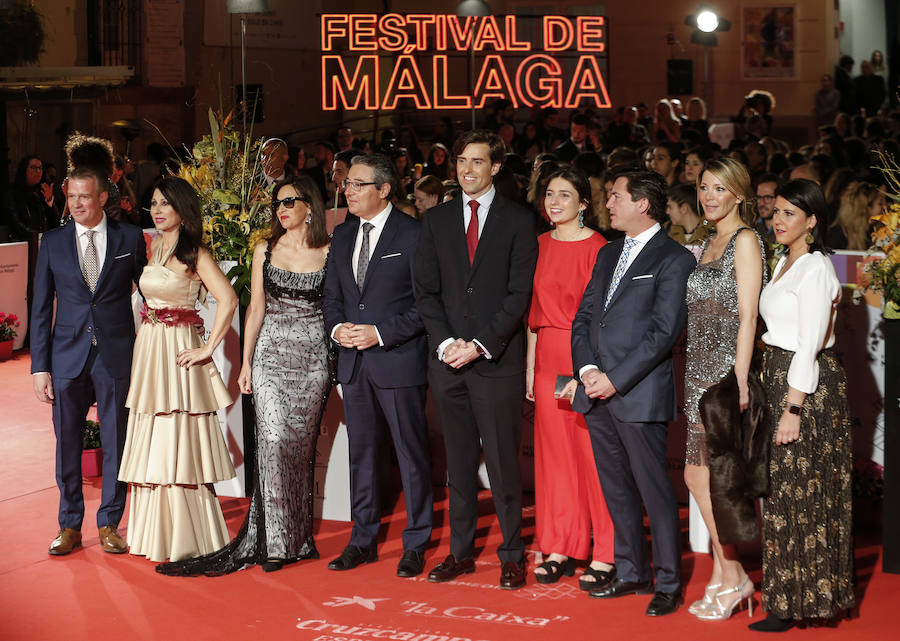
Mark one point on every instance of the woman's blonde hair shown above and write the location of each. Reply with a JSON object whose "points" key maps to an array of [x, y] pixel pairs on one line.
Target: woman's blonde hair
{"points": [[853, 217], [733, 175]]}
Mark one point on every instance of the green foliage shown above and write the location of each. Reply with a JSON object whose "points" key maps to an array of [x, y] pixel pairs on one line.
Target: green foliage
{"points": [[91, 435], [21, 33]]}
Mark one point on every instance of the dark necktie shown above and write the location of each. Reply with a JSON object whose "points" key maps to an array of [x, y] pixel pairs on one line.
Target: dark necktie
{"points": [[472, 231], [362, 263]]}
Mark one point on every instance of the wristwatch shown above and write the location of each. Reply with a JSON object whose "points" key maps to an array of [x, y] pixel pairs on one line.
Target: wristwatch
{"points": [[480, 350], [795, 409]]}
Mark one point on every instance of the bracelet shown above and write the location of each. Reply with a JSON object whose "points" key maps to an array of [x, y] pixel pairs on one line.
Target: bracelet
{"points": [[795, 409]]}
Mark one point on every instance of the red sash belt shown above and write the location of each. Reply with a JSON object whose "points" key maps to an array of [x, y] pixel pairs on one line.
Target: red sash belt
{"points": [[172, 316]]}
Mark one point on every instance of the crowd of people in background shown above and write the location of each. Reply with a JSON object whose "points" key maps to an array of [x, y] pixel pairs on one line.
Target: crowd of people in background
{"points": [[672, 138]]}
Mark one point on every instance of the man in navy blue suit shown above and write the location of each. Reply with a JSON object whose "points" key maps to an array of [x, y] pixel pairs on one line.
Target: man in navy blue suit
{"points": [[630, 317], [88, 266], [370, 311]]}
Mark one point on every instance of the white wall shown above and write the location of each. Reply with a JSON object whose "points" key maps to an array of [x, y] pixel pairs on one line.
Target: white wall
{"points": [[864, 29]]}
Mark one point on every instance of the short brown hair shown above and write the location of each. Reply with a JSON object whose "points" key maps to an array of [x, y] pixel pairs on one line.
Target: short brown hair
{"points": [[83, 173], [430, 185], [482, 136]]}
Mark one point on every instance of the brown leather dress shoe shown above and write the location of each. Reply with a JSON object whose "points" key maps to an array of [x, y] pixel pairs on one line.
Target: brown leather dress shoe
{"points": [[450, 568], [112, 542], [512, 576], [67, 539]]}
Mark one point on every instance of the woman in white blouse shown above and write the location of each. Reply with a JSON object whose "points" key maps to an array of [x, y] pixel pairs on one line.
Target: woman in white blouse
{"points": [[808, 547]]}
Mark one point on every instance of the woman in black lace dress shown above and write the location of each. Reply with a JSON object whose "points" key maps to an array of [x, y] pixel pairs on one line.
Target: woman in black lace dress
{"points": [[287, 368]]}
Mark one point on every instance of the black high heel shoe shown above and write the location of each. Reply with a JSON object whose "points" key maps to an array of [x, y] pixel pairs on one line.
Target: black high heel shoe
{"points": [[272, 565], [773, 623], [555, 570], [601, 578]]}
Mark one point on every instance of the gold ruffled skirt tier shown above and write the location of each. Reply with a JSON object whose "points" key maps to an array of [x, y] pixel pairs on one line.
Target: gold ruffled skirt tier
{"points": [[174, 449]]}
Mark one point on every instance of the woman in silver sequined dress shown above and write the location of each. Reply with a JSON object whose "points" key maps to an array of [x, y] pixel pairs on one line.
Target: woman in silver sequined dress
{"points": [[723, 301], [287, 367]]}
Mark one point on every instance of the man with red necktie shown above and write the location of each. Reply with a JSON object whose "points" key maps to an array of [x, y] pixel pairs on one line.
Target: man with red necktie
{"points": [[473, 272]]}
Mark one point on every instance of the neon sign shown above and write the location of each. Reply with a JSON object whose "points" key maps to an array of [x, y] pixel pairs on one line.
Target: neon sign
{"points": [[372, 61]]}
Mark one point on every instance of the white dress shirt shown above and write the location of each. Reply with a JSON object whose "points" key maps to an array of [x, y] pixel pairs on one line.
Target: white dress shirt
{"points": [[484, 208], [640, 242], [99, 242], [799, 309], [378, 221]]}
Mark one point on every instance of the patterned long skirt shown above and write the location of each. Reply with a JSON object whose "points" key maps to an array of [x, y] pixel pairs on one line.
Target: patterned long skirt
{"points": [[807, 524]]}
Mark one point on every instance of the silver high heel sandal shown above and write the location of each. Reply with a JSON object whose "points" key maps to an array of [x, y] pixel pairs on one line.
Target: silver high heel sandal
{"points": [[708, 594], [717, 611]]}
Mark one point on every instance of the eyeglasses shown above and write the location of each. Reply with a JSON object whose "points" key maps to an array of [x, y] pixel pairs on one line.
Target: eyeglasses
{"points": [[288, 202], [766, 197], [35, 168], [355, 185]]}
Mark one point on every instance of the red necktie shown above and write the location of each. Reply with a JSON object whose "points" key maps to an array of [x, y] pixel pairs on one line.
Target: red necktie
{"points": [[472, 231]]}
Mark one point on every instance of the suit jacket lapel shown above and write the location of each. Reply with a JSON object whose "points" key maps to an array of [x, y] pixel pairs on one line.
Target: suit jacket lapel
{"points": [[345, 263], [384, 240], [456, 236], [644, 259], [610, 269], [113, 245], [72, 250]]}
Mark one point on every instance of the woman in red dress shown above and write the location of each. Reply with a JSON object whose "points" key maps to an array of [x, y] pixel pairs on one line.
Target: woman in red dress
{"points": [[569, 502]]}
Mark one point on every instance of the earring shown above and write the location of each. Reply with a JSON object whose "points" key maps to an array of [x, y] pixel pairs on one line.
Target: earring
{"points": [[581, 218], [309, 217], [810, 239]]}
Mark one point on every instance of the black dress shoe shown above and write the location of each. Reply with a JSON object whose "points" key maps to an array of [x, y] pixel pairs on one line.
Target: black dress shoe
{"points": [[411, 564], [512, 576], [664, 603], [450, 568], [352, 556], [621, 588], [772, 624]]}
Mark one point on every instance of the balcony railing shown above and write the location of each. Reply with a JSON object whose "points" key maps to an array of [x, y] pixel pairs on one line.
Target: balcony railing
{"points": [[114, 33]]}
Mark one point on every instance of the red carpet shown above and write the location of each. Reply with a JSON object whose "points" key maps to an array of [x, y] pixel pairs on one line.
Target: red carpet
{"points": [[93, 595]]}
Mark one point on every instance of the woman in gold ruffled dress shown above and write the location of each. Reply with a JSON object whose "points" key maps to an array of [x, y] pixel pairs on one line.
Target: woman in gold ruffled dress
{"points": [[174, 449]]}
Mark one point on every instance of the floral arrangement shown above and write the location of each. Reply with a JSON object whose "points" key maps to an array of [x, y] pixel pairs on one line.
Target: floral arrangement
{"points": [[877, 273], [91, 435], [226, 171], [8, 324]]}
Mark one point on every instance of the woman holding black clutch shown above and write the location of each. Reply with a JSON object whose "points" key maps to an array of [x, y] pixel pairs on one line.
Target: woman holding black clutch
{"points": [[569, 502], [807, 526]]}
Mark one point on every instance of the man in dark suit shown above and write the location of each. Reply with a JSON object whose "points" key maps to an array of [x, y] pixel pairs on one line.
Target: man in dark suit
{"points": [[630, 317], [577, 141], [473, 270], [88, 266], [370, 311]]}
